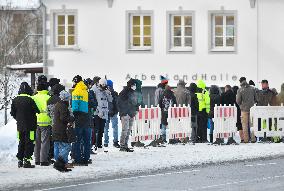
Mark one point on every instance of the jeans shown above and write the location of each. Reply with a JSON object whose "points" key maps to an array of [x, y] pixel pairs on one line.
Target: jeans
{"points": [[82, 145], [211, 126], [61, 150], [163, 132], [114, 122]]}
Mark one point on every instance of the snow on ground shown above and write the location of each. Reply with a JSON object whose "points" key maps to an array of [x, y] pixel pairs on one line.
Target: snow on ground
{"points": [[115, 163]]}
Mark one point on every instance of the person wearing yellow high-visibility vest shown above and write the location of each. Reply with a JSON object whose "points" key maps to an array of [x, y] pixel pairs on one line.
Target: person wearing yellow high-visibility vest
{"points": [[43, 131], [203, 111], [24, 110]]}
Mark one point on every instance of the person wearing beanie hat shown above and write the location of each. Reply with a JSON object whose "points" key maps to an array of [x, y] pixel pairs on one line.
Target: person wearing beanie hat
{"points": [[251, 83], [42, 79], [127, 107], [113, 111], [246, 99], [56, 89], [53, 81], [80, 109], [103, 98], [63, 122], [182, 94], [96, 80], [164, 80], [43, 132], [24, 110], [76, 80]]}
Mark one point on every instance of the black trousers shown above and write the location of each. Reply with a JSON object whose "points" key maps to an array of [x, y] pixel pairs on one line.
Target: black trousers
{"points": [[26, 145], [99, 129], [202, 119]]}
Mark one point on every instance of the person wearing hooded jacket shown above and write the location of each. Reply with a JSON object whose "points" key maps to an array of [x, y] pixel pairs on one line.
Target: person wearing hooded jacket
{"points": [[24, 110], [55, 90], [246, 99], [215, 99], [203, 111], [62, 120], [102, 97], [167, 100], [160, 89], [127, 107], [80, 109], [182, 94], [112, 117]]}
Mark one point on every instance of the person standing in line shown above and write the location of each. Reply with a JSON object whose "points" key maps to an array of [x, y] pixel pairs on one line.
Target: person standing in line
{"points": [[112, 117], [246, 99], [127, 107], [24, 110], [43, 132], [80, 111]]}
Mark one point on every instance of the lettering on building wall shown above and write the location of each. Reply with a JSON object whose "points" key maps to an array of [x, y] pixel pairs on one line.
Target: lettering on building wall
{"points": [[194, 77]]}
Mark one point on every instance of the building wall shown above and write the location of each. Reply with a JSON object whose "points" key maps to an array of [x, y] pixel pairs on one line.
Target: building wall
{"points": [[102, 43], [271, 41]]}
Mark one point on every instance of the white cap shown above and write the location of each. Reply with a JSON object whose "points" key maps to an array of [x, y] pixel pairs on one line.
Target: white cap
{"points": [[103, 82]]}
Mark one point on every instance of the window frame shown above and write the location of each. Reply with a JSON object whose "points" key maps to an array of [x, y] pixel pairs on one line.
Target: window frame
{"points": [[224, 14], [54, 27], [129, 29], [170, 28]]}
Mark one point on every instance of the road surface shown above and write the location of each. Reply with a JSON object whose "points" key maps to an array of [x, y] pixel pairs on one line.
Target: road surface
{"points": [[254, 175]]}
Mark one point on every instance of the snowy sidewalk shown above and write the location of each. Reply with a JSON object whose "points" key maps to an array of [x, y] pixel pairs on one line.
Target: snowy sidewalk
{"points": [[116, 163]]}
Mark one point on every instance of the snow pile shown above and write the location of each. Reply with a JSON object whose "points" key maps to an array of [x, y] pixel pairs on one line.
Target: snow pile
{"points": [[117, 164], [8, 142]]}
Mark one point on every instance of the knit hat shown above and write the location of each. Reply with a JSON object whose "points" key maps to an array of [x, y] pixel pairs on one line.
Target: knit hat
{"points": [[103, 82], [242, 79], [88, 82], [109, 83], [25, 88], [53, 81], [181, 82], [131, 82], [65, 95], [42, 79], [164, 80], [57, 88], [251, 83], [96, 79], [77, 79]]}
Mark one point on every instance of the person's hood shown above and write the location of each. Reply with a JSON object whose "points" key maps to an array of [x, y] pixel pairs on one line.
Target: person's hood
{"points": [[214, 90], [57, 88], [25, 88], [110, 83], [138, 85], [193, 88], [201, 84], [244, 84], [81, 85], [160, 85]]}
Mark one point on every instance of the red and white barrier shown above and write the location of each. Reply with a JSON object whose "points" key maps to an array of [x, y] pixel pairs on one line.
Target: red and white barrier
{"points": [[225, 119], [271, 120], [179, 122], [146, 124]]}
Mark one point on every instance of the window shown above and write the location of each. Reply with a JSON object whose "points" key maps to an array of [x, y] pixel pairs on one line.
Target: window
{"points": [[181, 32], [223, 32], [65, 30], [140, 32]]}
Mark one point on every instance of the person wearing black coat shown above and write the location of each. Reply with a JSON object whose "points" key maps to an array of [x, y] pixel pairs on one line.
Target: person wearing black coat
{"points": [[62, 121], [215, 99], [194, 105], [228, 97], [24, 110], [127, 106], [239, 121], [167, 100]]}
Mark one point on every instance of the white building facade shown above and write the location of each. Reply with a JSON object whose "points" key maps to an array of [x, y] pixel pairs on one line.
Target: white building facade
{"points": [[215, 40]]}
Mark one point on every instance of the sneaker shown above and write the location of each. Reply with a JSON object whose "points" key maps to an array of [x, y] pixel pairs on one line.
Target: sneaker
{"points": [[20, 164], [27, 164], [116, 145], [44, 164]]}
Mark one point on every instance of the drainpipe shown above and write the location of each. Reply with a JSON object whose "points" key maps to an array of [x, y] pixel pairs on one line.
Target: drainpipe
{"points": [[258, 39], [42, 5]]}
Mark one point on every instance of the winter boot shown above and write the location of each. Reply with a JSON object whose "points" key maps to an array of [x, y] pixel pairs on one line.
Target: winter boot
{"points": [[219, 141], [27, 164], [211, 138], [20, 164], [231, 141], [60, 165], [105, 145], [44, 164], [139, 144], [116, 145]]}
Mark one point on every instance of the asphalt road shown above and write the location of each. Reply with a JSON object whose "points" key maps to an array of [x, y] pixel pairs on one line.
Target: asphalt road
{"points": [[241, 176]]}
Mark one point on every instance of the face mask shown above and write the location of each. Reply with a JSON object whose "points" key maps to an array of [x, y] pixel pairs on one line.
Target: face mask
{"points": [[133, 88]]}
